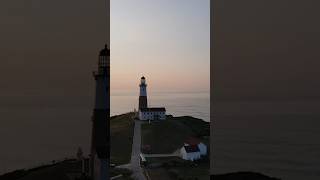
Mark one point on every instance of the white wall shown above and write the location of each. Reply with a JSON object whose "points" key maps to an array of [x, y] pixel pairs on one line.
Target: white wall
{"points": [[150, 115], [189, 156], [203, 149]]}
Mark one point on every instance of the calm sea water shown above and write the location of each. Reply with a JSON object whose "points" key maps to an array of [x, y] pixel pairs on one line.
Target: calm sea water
{"points": [[35, 129], [196, 104], [278, 138]]}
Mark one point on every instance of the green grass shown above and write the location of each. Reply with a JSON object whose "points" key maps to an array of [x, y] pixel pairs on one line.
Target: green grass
{"points": [[166, 137], [121, 136], [176, 168], [198, 126], [124, 172], [201, 172], [159, 174], [169, 135]]}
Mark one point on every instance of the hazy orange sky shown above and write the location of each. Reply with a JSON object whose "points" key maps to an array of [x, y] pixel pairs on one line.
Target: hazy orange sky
{"points": [[167, 41]]}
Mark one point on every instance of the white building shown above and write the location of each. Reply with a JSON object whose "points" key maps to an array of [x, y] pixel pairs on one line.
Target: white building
{"points": [[193, 149], [203, 149], [152, 114], [190, 153]]}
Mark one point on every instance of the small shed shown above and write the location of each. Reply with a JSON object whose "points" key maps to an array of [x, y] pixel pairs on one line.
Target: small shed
{"points": [[190, 153], [192, 141]]}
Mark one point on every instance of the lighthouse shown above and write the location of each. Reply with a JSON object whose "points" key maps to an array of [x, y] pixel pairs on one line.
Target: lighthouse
{"points": [[143, 102], [99, 160], [145, 112]]}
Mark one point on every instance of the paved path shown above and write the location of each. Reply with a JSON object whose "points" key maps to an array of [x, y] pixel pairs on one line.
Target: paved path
{"points": [[174, 154], [124, 166], [159, 155], [137, 171]]}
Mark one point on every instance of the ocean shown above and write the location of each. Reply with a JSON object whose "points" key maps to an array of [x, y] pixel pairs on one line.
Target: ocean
{"points": [[36, 129], [196, 104]]}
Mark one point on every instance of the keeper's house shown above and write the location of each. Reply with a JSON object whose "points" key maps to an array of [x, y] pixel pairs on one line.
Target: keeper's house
{"points": [[190, 153], [193, 149], [152, 114]]}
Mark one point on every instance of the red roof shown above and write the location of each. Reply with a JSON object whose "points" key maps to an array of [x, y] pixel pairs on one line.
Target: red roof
{"points": [[192, 141]]}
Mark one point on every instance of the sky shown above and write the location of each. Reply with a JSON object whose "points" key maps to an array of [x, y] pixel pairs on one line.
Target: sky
{"points": [[167, 41]]}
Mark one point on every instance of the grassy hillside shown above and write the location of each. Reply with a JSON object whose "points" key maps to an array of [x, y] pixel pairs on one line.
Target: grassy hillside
{"points": [[198, 126], [121, 135], [172, 168], [169, 135]]}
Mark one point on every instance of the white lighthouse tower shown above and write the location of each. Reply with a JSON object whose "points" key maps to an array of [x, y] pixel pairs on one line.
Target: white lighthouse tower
{"points": [[143, 101], [100, 142]]}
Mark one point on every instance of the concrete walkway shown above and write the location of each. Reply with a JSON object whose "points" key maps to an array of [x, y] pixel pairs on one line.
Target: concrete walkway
{"points": [[174, 154], [137, 171], [159, 155], [124, 166]]}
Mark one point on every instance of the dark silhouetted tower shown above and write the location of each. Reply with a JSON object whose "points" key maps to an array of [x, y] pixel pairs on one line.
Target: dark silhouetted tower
{"points": [[143, 102], [100, 142]]}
